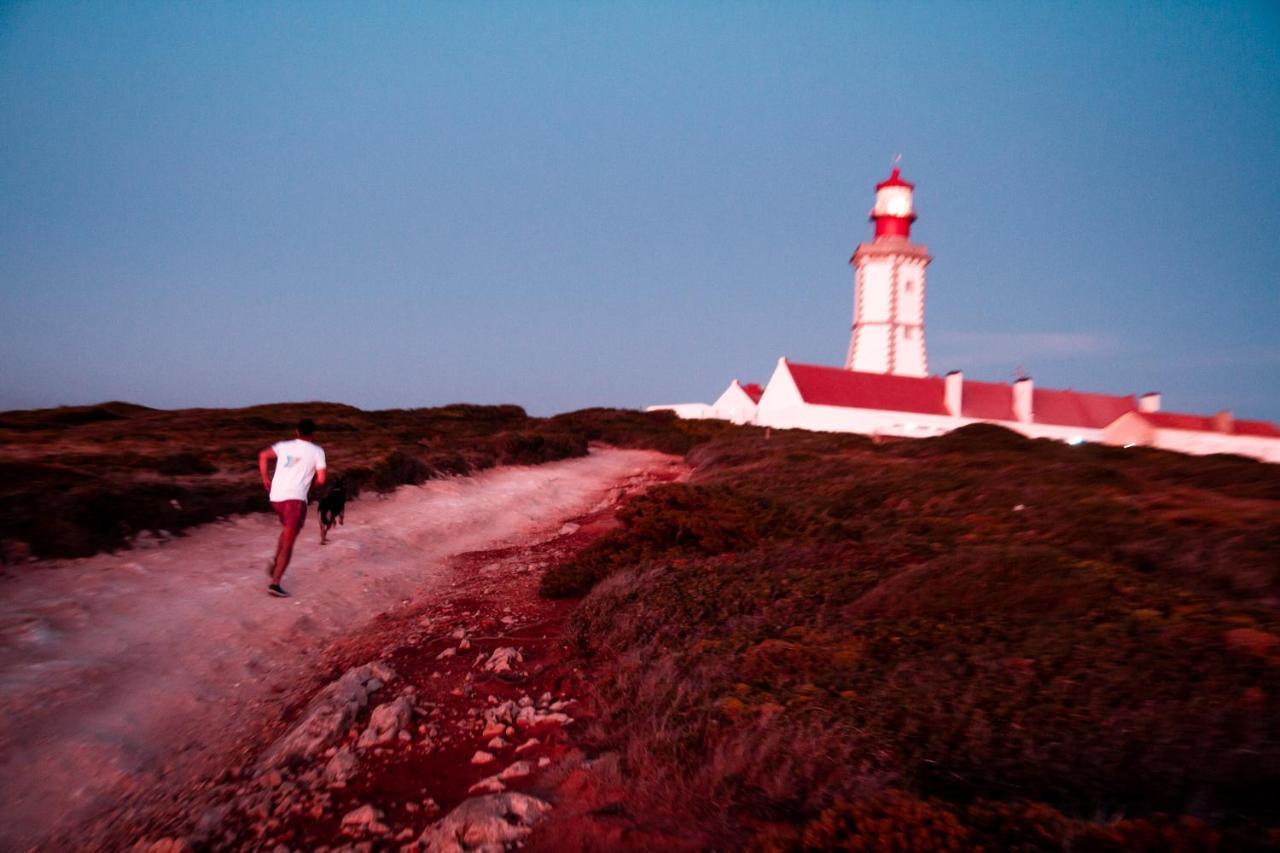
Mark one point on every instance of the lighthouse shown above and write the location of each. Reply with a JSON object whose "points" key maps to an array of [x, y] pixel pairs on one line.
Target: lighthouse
{"points": [[888, 283]]}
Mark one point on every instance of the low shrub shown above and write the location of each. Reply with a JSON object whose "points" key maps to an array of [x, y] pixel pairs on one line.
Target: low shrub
{"points": [[675, 519], [59, 502], [535, 448], [184, 464], [985, 643]]}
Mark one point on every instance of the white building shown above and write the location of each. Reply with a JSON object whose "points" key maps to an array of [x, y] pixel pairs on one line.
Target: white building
{"points": [[885, 388], [736, 404], [1199, 434], [888, 303]]}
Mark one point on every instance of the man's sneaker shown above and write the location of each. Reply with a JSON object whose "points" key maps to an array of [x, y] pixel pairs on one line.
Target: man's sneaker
{"points": [[277, 591]]}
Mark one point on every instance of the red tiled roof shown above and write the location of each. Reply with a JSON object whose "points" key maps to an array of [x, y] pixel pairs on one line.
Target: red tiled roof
{"points": [[1174, 420], [753, 391], [1074, 408], [833, 386], [990, 401], [1206, 423], [1263, 428]]}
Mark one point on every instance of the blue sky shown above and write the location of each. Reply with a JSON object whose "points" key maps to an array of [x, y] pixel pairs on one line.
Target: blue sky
{"points": [[620, 204]]}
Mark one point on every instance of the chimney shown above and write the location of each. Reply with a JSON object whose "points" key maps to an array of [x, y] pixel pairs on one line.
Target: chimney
{"points": [[953, 392], [1022, 394], [1223, 422], [1149, 402]]}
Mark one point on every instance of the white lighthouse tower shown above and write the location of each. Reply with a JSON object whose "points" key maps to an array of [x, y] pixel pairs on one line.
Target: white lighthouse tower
{"points": [[888, 302]]}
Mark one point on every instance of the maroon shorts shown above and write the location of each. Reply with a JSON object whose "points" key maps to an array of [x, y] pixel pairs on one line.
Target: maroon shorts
{"points": [[292, 513]]}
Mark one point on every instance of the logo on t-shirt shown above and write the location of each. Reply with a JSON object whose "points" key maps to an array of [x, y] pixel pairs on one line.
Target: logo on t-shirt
{"points": [[290, 461]]}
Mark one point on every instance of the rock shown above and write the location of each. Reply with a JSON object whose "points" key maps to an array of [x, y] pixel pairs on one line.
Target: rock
{"points": [[328, 716], [145, 539], [543, 761], [531, 743], [385, 721], [365, 819], [544, 700], [164, 845], [497, 743], [503, 714], [503, 660], [481, 757], [341, 767], [447, 653], [519, 770], [459, 634], [569, 528], [494, 729], [561, 705], [526, 701], [487, 824], [487, 785], [464, 644]]}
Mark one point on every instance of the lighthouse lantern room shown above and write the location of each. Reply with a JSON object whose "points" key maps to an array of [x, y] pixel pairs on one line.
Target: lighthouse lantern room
{"points": [[888, 303]]}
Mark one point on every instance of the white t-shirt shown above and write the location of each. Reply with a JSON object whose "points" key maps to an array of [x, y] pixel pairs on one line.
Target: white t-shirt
{"points": [[296, 463]]}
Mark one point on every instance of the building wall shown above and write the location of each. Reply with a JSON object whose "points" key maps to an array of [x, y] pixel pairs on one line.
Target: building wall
{"points": [[1204, 443], [888, 318], [801, 415], [782, 407], [1134, 430], [842, 419], [869, 347], [735, 405]]}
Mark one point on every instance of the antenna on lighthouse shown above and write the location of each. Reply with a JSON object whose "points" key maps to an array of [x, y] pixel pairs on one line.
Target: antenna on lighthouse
{"points": [[897, 161]]}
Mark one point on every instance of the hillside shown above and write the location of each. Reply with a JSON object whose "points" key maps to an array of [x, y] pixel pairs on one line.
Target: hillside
{"points": [[977, 641], [78, 480], [970, 641]]}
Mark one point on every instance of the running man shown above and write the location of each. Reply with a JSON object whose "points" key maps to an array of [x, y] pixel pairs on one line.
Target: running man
{"points": [[297, 462]]}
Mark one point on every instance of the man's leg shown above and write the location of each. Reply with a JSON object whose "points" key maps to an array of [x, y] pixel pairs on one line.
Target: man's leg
{"points": [[284, 552], [292, 515]]}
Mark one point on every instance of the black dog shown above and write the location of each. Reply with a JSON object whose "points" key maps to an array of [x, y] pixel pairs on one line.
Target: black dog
{"points": [[333, 508]]}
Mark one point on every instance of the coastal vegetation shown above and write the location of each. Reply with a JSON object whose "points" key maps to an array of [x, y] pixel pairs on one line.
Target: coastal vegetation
{"points": [[819, 641], [973, 641], [78, 480]]}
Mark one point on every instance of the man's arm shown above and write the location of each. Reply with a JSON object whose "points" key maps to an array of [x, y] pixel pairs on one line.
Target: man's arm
{"points": [[320, 475], [264, 460]]}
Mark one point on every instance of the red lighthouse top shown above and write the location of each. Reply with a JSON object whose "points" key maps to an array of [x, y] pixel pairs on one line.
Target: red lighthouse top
{"points": [[893, 213]]}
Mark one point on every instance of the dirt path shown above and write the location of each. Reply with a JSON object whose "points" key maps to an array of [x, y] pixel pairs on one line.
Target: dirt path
{"points": [[141, 670]]}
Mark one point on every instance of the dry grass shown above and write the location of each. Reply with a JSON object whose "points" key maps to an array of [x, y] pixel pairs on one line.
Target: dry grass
{"points": [[77, 480], [974, 641]]}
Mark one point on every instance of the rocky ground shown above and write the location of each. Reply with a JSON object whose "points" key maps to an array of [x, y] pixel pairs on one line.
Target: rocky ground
{"points": [[450, 722]]}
